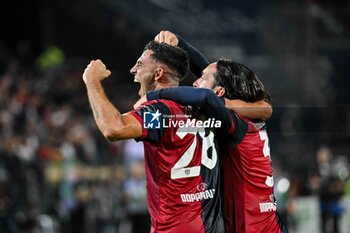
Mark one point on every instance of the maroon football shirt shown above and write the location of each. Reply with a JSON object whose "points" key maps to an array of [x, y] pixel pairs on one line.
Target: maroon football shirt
{"points": [[182, 171], [248, 200]]}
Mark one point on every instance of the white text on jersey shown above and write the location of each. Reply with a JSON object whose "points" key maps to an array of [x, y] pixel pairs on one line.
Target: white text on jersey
{"points": [[207, 194]]}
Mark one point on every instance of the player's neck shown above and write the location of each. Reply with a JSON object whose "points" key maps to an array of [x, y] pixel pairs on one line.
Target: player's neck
{"points": [[161, 85]]}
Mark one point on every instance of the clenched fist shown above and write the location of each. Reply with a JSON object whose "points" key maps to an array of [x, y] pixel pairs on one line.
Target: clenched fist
{"points": [[95, 71], [167, 37]]}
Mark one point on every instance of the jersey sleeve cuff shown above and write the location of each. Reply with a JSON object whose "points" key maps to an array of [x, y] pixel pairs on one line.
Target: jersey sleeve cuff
{"points": [[144, 131]]}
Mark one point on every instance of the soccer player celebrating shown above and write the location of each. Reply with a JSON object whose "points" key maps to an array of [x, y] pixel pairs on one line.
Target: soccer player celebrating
{"points": [[248, 200], [182, 168]]}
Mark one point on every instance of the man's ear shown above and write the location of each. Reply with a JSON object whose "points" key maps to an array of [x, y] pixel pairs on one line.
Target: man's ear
{"points": [[158, 73], [219, 91]]}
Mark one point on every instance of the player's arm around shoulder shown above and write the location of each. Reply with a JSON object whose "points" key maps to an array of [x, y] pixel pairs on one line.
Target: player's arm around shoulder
{"points": [[112, 124], [256, 110]]}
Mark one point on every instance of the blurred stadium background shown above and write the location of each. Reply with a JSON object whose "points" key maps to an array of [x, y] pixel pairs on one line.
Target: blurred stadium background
{"points": [[58, 174]]}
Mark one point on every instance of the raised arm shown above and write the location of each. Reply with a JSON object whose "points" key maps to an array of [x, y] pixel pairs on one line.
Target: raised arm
{"points": [[198, 62], [112, 124], [257, 110]]}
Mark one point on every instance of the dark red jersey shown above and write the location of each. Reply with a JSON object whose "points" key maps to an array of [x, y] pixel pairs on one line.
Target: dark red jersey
{"points": [[182, 171], [248, 200], [247, 182]]}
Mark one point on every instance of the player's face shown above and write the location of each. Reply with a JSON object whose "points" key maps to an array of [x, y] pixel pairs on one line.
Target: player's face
{"points": [[207, 80], [144, 72]]}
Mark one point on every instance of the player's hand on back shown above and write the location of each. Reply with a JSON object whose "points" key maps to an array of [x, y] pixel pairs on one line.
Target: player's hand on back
{"points": [[167, 37], [95, 71]]}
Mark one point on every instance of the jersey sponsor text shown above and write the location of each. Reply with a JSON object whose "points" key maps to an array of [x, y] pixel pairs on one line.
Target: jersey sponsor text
{"points": [[267, 207], [207, 194]]}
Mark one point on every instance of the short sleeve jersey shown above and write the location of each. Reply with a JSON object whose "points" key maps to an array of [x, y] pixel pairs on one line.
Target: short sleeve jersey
{"points": [[182, 171]]}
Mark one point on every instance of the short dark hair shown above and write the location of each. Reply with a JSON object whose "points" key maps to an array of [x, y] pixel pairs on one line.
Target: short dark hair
{"points": [[173, 57], [240, 82]]}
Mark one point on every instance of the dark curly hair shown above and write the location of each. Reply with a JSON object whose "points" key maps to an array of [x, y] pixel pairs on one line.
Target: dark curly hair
{"points": [[173, 57], [240, 82]]}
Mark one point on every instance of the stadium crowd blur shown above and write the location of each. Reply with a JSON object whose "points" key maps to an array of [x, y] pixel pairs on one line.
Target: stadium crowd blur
{"points": [[58, 174]]}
